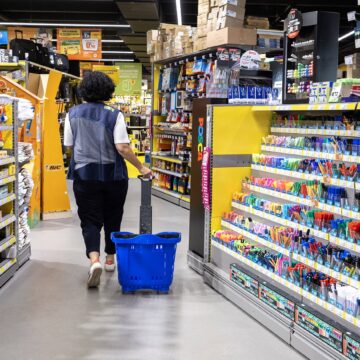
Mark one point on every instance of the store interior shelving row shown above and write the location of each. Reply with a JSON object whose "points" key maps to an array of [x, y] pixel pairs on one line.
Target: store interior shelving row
{"points": [[286, 224], [15, 189]]}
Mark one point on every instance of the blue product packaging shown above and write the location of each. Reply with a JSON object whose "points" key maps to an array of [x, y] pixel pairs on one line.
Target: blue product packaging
{"points": [[251, 94], [259, 94], [243, 94], [236, 94], [230, 94]]}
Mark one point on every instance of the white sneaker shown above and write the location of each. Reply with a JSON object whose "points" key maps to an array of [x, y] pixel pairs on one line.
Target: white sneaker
{"points": [[110, 266], [94, 275]]}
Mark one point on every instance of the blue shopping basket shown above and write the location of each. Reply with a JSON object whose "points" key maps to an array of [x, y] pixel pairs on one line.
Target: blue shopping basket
{"points": [[145, 261]]}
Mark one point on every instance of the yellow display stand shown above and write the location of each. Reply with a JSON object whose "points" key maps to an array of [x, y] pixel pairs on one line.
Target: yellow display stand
{"points": [[236, 130], [31, 135], [55, 199]]}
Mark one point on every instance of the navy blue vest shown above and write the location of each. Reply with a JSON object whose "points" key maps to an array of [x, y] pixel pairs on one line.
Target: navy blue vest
{"points": [[95, 157]]}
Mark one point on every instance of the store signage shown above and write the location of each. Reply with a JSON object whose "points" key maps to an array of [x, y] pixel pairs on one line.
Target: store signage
{"points": [[205, 178], [351, 348], [293, 23], [250, 60], [130, 79], [244, 281], [53, 167], [319, 328], [111, 71], [278, 302], [200, 139], [79, 44]]}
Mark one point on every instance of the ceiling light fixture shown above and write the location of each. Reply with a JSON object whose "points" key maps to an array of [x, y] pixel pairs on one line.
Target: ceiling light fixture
{"points": [[113, 60], [116, 52], [178, 12], [103, 41], [111, 41], [346, 35], [73, 25]]}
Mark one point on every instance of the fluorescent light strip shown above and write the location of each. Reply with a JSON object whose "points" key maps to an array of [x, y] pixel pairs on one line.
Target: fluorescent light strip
{"points": [[120, 60], [116, 52], [79, 25], [346, 35], [112, 41], [178, 12], [103, 41]]}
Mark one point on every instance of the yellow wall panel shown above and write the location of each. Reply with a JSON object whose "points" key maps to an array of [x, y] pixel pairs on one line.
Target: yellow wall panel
{"points": [[55, 198], [238, 129]]}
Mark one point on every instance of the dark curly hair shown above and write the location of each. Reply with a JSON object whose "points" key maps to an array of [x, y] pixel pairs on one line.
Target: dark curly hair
{"points": [[96, 87]]}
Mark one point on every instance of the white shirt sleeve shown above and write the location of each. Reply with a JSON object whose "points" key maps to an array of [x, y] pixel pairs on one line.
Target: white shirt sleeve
{"points": [[68, 135], [120, 132]]}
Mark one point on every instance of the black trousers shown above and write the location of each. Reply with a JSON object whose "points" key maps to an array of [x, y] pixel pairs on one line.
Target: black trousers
{"points": [[100, 204]]}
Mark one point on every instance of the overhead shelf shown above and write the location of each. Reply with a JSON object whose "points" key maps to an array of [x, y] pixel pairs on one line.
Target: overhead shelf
{"points": [[169, 158], [306, 176], [7, 242], [309, 131], [6, 265], [7, 199], [311, 153], [7, 160], [168, 172]]}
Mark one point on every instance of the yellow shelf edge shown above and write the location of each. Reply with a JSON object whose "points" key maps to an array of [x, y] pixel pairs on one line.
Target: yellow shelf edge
{"points": [[306, 107]]}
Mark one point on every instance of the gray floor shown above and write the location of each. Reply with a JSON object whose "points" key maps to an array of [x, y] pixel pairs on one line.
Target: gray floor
{"points": [[47, 312]]}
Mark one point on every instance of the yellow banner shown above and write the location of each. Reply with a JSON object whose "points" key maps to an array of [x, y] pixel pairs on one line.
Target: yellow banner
{"points": [[69, 33], [79, 44], [111, 71]]}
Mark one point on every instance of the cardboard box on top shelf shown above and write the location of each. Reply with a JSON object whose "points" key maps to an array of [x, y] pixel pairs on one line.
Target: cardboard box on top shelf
{"points": [[253, 22], [228, 21], [352, 73], [231, 36], [211, 25], [200, 44], [239, 3], [232, 11], [202, 20], [213, 14], [202, 31], [203, 8], [152, 35]]}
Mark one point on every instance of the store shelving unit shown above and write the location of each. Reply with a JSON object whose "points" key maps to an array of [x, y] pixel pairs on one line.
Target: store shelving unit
{"points": [[18, 72], [190, 106], [311, 56], [311, 323], [12, 257]]}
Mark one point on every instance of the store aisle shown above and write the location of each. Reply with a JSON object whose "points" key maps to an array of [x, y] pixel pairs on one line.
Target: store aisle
{"points": [[48, 313]]}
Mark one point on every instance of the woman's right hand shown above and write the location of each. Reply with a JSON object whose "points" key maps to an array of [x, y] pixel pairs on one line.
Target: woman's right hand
{"points": [[146, 172]]}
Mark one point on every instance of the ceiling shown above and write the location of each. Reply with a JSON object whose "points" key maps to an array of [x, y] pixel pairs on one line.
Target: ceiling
{"points": [[143, 15]]}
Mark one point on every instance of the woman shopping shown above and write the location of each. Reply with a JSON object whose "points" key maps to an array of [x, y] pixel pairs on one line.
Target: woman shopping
{"points": [[99, 140]]}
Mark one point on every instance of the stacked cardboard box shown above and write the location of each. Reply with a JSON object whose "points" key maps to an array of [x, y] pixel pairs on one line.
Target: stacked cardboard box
{"points": [[353, 68], [202, 20], [225, 13], [169, 40], [254, 22]]}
